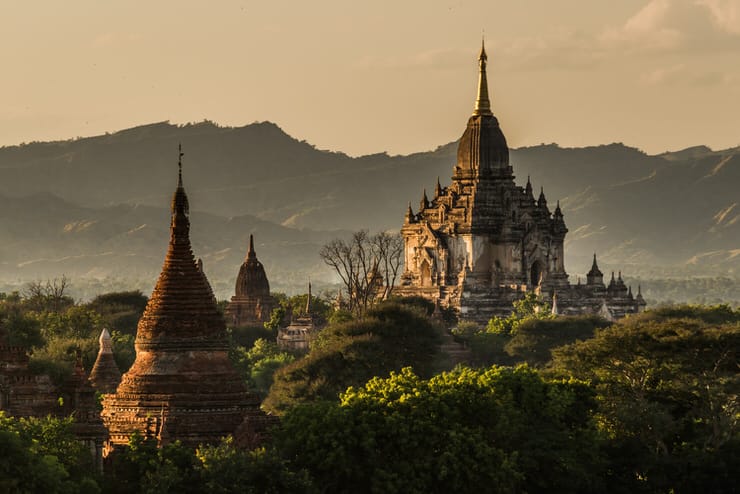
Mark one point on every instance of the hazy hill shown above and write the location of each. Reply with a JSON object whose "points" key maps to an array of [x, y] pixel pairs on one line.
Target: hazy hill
{"points": [[97, 207]]}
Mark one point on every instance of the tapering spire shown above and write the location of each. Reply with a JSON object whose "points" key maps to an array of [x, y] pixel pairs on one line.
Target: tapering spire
{"points": [[251, 254], [180, 225], [438, 189], [542, 202], [409, 214], [528, 187], [424, 201], [482, 103]]}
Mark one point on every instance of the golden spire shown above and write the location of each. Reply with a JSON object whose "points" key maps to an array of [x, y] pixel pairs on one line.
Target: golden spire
{"points": [[482, 103]]}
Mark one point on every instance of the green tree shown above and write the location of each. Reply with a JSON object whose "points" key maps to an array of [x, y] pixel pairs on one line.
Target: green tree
{"points": [[667, 384], [258, 364], [120, 311], [388, 337], [43, 455], [493, 430], [277, 317], [21, 328], [528, 307], [76, 321], [224, 469]]}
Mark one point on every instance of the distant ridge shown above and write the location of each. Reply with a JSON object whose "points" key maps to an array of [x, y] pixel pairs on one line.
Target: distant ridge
{"points": [[664, 208]]}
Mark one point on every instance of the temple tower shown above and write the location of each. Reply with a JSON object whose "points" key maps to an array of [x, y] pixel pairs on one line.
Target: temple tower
{"points": [[483, 235], [480, 243], [182, 385], [252, 303], [105, 374]]}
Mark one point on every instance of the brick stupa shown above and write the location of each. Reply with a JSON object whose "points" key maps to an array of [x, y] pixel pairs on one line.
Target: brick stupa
{"points": [[105, 374], [252, 304], [182, 385]]}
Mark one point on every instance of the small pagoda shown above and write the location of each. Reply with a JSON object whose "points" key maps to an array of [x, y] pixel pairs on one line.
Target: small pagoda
{"points": [[105, 374], [252, 303], [182, 385]]}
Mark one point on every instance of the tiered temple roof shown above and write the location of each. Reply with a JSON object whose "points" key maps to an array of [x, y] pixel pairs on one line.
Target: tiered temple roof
{"points": [[182, 385]]}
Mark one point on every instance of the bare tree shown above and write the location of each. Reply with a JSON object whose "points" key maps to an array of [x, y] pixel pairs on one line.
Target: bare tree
{"points": [[388, 248], [367, 265], [50, 295]]}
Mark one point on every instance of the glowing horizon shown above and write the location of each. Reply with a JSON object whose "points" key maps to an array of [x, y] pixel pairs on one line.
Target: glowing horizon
{"points": [[396, 77]]}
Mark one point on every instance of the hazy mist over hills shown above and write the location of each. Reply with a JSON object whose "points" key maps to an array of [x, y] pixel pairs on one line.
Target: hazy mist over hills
{"points": [[96, 208]]}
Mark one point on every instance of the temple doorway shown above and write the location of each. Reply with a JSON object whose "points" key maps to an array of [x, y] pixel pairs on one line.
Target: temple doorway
{"points": [[426, 274], [535, 273]]}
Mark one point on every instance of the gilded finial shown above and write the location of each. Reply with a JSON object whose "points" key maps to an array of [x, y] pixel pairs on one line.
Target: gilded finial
{"points": [[482, 103]]}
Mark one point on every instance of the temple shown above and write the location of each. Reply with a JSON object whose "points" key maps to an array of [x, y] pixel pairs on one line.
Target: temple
{"points": [[297, 335], [480, 243], [105, 374], [182, 385], [252, 303], [26, 394]]}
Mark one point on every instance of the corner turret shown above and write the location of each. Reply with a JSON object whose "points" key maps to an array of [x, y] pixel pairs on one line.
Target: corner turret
{"points": [[595, 276], [424, 203], [409, 215], [541, 201]]}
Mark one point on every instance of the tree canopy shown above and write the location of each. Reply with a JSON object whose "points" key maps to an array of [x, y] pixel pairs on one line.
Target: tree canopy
{"points": [[493, 430], [388, 337]]}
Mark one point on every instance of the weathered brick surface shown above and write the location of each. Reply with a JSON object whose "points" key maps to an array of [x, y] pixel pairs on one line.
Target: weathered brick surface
{"points": [[182, 385]]}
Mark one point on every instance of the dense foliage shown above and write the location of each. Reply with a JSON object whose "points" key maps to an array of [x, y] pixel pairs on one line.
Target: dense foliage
{"points": [[42, 455], [141, 467], [54, 329], [388, 337], [646, 405], [497, 429], [668, 385]]}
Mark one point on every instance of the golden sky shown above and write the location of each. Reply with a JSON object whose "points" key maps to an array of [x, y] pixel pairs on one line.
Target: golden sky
{"points": [[364, 77]]}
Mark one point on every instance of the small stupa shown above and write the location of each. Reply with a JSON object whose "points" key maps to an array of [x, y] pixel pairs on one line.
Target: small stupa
{"points": [[105, 374]]}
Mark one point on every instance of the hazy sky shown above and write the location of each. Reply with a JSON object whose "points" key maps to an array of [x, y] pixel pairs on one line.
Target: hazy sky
{"points": [[365, 77]]}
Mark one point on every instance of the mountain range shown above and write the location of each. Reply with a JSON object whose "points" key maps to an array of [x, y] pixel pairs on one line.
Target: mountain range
{"points": [[96, 209]]}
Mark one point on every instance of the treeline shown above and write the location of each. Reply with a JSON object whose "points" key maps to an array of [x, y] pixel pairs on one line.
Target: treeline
{"points": [[645, 405], [56, 330], [694, 290]]}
